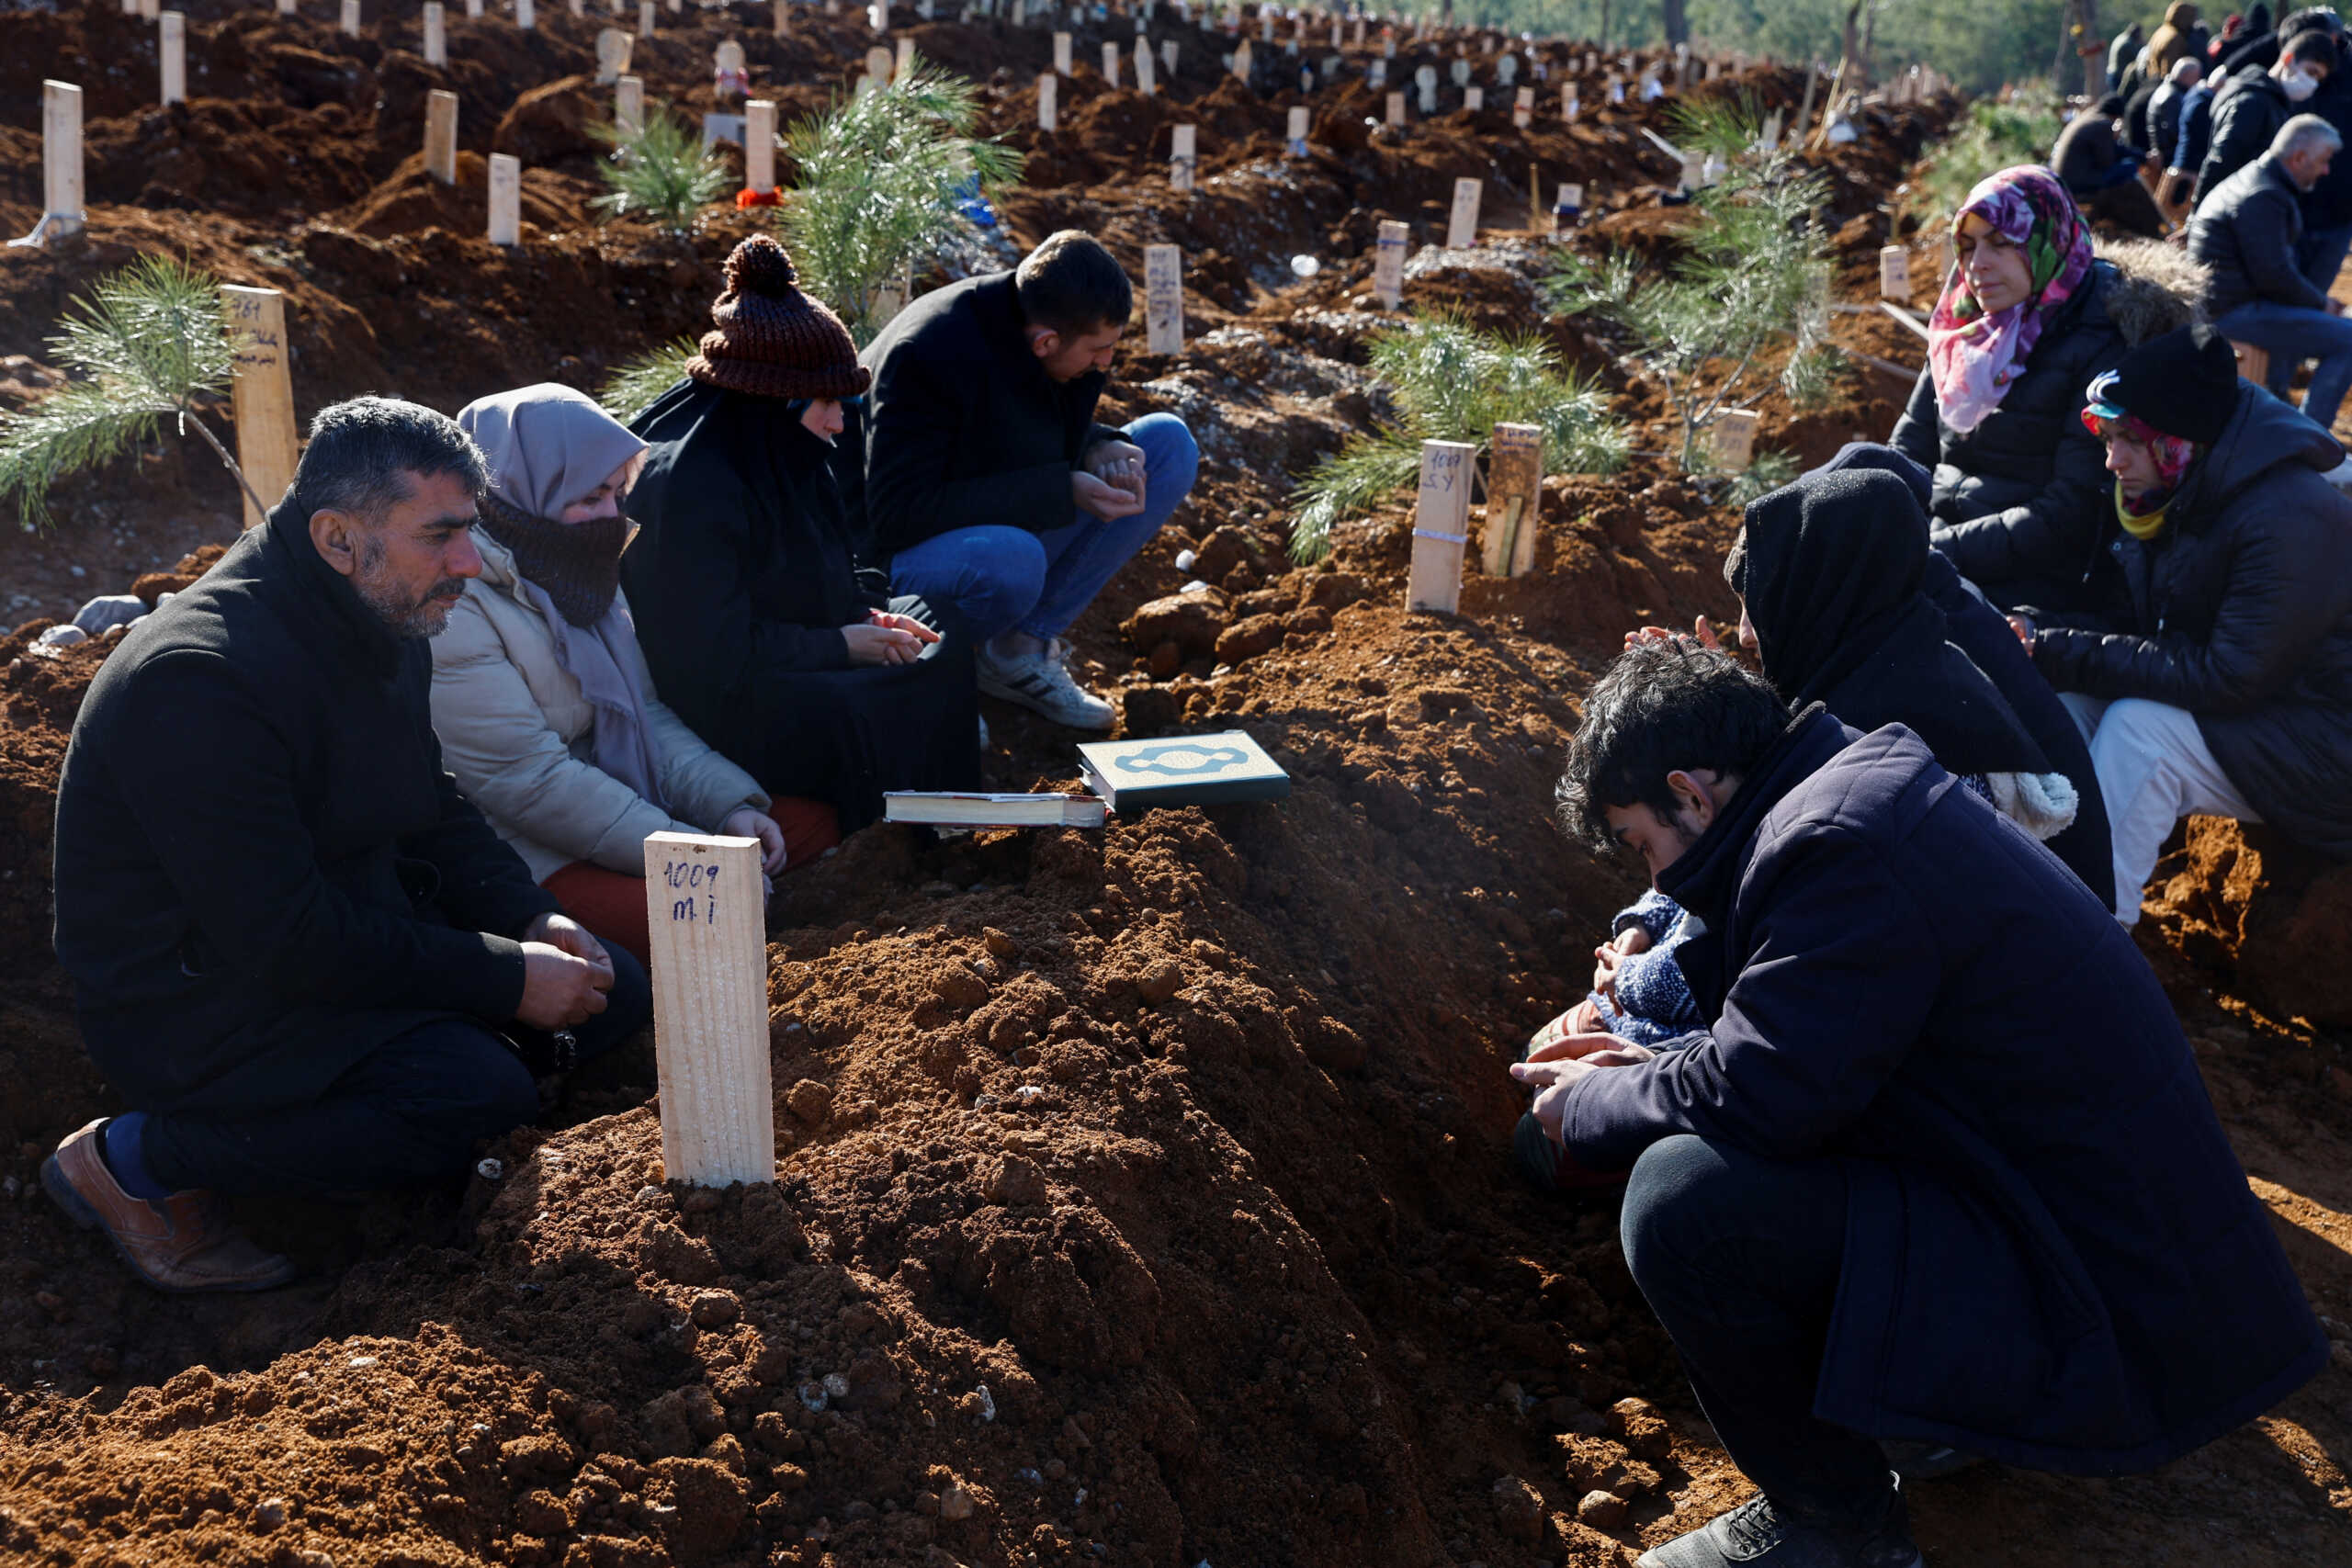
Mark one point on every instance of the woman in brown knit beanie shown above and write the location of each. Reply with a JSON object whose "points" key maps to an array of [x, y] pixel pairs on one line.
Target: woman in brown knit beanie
{"points": [[760, 630]]}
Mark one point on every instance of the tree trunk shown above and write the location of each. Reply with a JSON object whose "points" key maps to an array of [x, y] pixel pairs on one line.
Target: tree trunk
{"points": [[1865, 65], [2094, 61], [1604, 24], [1677, 23]]}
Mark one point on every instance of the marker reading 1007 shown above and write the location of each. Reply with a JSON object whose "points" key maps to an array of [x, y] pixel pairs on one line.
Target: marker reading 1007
{"points": [[692, 877]]}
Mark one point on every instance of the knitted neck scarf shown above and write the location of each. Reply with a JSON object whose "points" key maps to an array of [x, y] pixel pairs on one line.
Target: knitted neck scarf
{"points": [[2143, 515], [1974, 357], [578, 564]]}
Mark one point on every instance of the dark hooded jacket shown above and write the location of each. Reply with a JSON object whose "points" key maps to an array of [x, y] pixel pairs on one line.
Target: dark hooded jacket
{"points": [[2052, 1256], [2016, 498], [2246, 114], [1833, 571], [265, 872], [1983, 634], [2239, 610], [740, 578]]}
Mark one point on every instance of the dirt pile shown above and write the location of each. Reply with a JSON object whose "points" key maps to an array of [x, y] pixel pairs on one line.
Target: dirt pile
{"points": [[1143, 1194]]}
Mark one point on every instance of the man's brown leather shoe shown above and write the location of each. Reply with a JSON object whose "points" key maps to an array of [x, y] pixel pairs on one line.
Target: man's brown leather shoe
{"points": [[179, 1244]]}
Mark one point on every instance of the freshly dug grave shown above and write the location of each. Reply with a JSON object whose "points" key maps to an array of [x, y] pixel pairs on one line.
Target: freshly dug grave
{"points": [[1185, 1140]]}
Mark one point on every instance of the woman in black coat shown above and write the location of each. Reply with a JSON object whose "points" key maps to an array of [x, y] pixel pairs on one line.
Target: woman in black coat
{"points": [[2025, 320], [750, 607], [2229, 646]]}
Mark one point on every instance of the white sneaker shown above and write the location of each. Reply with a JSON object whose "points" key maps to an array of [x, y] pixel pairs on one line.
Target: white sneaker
{"points": [[1041, 683]]}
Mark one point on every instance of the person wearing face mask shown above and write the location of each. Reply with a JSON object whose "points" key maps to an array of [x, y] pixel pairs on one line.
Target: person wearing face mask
{"points": [[2246, 234], [541, 696], [2249, 110], [2220, 680], [759, 628], [2027, 315], [1941, 1169]]}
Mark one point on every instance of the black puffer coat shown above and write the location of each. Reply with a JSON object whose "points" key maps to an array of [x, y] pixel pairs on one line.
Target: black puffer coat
{"points": [[2017, 499], [2241, 611]]}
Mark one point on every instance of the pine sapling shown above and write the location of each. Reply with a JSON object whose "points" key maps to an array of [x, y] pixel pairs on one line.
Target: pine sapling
{"points": [[149, 342], [1447, 380], [633, 387], [1753, 280], [887, 183], [660, 171]]}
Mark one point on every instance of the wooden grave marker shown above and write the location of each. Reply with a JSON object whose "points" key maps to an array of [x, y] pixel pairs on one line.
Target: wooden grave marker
{"points": [[172, 55], [1294, 132], [759, 145], [710, 1009], [1163, 300], [1733, 440], [1440, 526], [1475, 99], [61, 160], [1241, 63], [1514, 496], [645, 18], [1388, 264], [1147, 69], [1061, 54], [1570, 204], [1110, 63], [629, 103], [436, 34], [441, 135], [526, 16], [349, 21], [285, 8], [262, 396], [149, 11], [473, 10], [614, 48], [1462, 224], [878, 63], [1522, 110], [1397, 110], [1568, 103], [904, 60], [1048, 91], [782, 26], [1167, 57], [1183, 160], [506, 199], [1893, 273]]}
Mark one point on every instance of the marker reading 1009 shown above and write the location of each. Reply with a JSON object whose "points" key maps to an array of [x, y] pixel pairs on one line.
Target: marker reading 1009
{"points": [[699, 884]]}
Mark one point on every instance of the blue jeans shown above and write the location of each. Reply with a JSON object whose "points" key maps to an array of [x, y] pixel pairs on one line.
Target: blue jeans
{"points": [[2321, 254], [1739, 1257], [2289, 332], [994, 579], [407, 1113]]}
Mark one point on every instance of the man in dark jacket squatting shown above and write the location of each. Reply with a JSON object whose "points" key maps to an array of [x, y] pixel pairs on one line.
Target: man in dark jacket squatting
{"points": [[302, 959], [986, 482], [1940, 1169]]}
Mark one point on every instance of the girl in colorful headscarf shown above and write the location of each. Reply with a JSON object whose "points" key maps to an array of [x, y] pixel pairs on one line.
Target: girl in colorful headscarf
{"points": [[2025, 319]]}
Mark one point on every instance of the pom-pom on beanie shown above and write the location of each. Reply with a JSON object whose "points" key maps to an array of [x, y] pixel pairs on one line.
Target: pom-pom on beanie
{"points": [[771, 339]]}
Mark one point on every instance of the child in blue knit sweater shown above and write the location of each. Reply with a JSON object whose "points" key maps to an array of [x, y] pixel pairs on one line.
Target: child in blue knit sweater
{"points": [[1638, 991]]}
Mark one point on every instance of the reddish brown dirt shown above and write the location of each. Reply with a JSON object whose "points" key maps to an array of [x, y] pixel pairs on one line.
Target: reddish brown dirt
{"points": [[1186, 1140]]}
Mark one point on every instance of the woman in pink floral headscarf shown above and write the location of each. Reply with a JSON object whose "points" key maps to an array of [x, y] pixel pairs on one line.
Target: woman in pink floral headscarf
{"points": [[2026, 318]]}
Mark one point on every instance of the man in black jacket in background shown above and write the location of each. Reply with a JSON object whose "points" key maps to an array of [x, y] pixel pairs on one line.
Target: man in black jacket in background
{"points": [[997, 497], [2246, 234], [300, 956]]}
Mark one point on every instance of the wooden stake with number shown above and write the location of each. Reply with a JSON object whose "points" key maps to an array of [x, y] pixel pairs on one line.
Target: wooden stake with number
{"points": [[1440, 526], [710, 1009], [506, 199], [1184, 160], [1514, 495], [1895, 273], [759, 145], [1388, 264], [629, 103], [1163, 300], [1048, 93], [1733, 439], [436, 34], [1462, 228], [262, 396], [61, 157], [441, 135], [350, 19], [172, 56]]}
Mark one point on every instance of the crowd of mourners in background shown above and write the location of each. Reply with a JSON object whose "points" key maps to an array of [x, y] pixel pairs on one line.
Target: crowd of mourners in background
{"points": [[1916, 1167]]}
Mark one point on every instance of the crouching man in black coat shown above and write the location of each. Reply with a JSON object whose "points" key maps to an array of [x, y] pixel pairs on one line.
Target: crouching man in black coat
{"points": [[300, 956], [1941, 1169]]}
